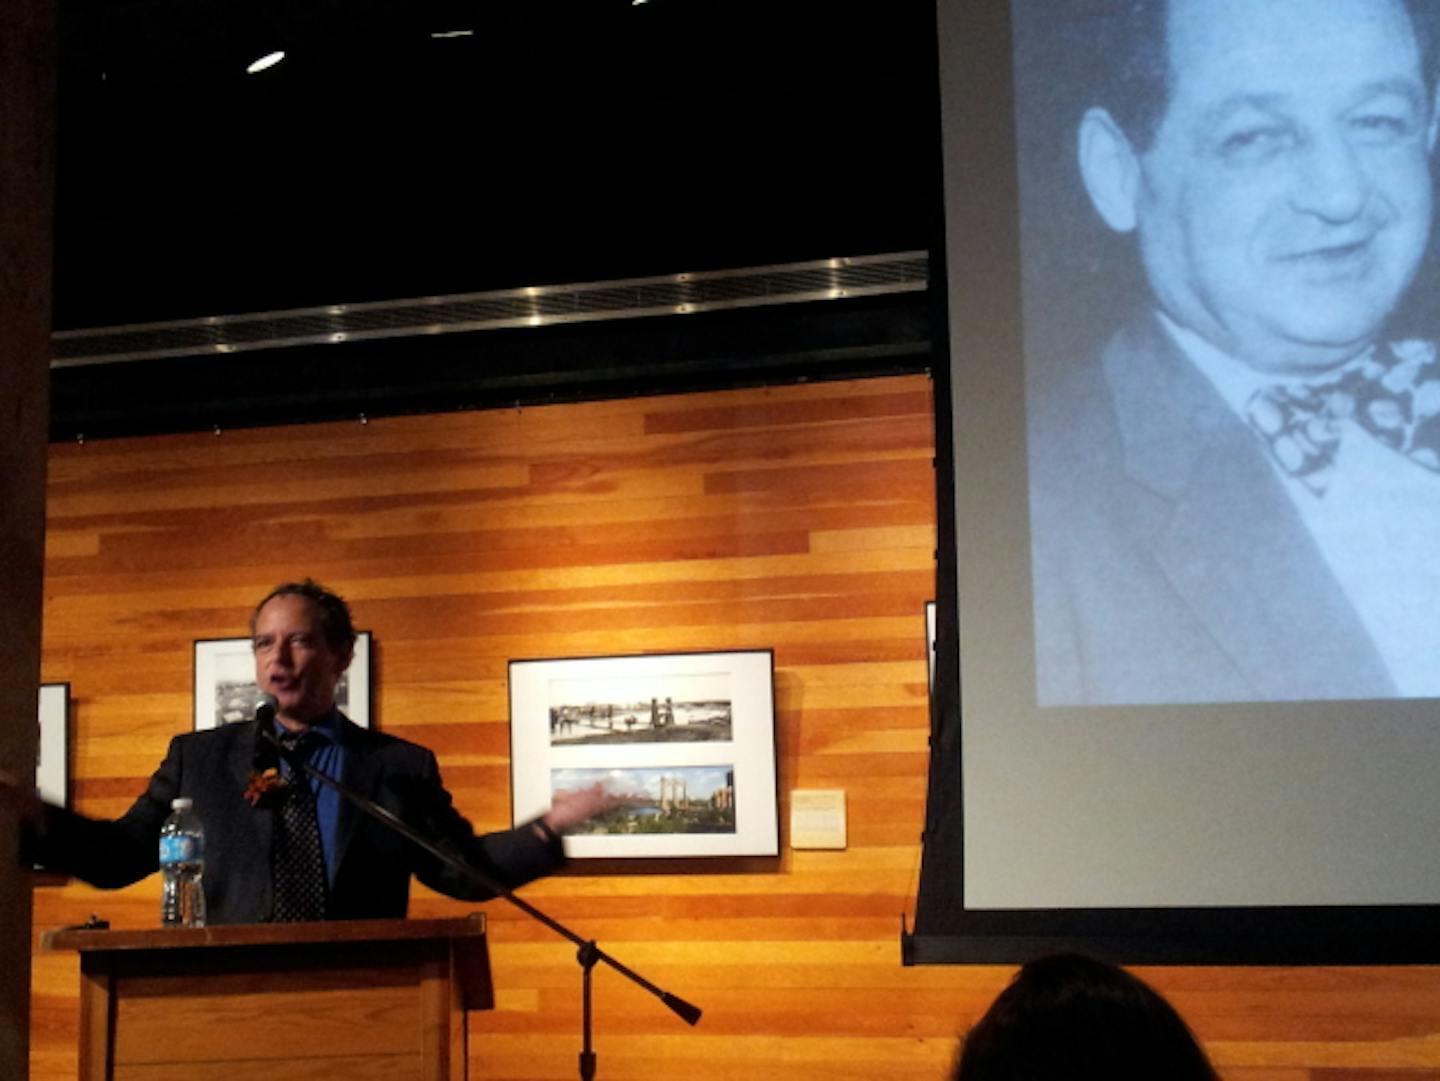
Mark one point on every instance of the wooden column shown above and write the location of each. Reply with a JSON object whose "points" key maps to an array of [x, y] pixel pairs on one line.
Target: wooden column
{"points": [[27, 76]]}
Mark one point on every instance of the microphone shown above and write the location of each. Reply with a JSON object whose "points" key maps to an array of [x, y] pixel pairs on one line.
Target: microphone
{"points": [[266, 760]]}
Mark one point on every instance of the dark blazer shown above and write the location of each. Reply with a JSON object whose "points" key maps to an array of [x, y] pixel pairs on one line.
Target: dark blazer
{"points": [[1170, 565], [372, 875]]}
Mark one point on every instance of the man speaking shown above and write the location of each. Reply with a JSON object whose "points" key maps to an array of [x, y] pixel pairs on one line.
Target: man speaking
{"points": [[310, 854], [1240, 501]]}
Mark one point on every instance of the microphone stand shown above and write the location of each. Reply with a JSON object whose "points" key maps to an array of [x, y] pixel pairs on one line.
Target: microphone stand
{"points": [[588, 954]]}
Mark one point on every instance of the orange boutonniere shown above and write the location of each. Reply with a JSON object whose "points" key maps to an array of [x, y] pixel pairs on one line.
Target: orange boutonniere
{"points": [[266, 789]]}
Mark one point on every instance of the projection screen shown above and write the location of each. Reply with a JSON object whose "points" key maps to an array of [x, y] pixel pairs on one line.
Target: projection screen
{"points": [[1186, 692]]}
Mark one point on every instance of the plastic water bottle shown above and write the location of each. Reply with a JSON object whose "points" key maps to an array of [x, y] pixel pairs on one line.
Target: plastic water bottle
{"points": [[182, 863]]}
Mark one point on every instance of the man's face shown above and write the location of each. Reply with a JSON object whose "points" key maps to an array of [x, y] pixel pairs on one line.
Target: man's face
{"points": [[293, 661], [1285, 203]]}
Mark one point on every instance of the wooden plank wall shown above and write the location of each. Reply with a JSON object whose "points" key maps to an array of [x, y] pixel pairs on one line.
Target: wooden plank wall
{"points": [[799, 518]]}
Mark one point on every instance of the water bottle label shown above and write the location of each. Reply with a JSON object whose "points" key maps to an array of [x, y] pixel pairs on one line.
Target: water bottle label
{"points": [[180, 848]]}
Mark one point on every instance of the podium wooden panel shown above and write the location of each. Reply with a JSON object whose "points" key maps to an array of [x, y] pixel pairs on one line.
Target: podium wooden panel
{"points": [[362, 999]]}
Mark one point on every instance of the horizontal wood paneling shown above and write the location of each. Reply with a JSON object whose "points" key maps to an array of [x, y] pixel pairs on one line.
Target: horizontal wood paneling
{"points": [[797, 518]]}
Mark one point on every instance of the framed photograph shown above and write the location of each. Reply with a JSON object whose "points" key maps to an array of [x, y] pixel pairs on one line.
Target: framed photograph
{"points": [[226, 692], [930, 642], [52, 755], [684, 741]]}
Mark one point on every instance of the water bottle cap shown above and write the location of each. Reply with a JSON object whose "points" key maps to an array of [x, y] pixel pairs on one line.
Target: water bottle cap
{"points": [[181, 803]]}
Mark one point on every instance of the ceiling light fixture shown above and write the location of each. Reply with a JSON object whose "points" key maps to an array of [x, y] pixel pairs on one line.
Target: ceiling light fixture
{"points": [[261, 63]]}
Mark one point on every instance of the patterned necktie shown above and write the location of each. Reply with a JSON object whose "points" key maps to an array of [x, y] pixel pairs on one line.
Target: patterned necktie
{"points": [[1393, 392], [296, 859]]}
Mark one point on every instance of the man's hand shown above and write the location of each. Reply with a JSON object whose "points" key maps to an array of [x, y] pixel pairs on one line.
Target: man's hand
{"points": [[20, 799], [571, 807]]}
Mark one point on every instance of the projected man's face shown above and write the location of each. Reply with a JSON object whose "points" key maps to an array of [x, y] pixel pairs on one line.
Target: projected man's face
{"points": [[1285, 203]]}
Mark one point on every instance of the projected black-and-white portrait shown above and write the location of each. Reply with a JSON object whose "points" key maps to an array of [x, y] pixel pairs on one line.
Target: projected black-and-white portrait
{"points": [[1229, 299]]}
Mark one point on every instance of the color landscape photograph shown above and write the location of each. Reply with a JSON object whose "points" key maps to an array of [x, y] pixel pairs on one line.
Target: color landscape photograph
{"points": [[682, 799]]}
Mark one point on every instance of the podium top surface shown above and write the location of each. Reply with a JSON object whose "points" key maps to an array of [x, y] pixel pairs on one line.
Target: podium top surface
{"points": [[263, 934]]}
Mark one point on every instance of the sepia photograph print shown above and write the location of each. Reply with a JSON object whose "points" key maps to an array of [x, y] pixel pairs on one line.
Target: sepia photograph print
{"points": [[685, 742], [226, 691], [681, 708]]}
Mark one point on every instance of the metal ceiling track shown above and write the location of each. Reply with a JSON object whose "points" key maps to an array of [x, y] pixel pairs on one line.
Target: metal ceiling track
{"points": [[534, 306]]}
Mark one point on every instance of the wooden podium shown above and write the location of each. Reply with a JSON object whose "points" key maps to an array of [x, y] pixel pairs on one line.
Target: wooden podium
{"points": [[361, 1000]]}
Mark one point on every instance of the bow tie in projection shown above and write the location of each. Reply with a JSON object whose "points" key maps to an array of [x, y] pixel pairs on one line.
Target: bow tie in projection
{"points": [[1393, 393]]}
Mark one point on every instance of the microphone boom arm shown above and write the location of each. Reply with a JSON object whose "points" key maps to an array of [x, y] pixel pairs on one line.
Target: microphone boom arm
{"points": [[590, 952]]}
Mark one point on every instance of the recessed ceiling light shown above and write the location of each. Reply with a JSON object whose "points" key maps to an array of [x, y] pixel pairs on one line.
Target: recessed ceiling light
{"points": [[452, 33], [269, 60]]}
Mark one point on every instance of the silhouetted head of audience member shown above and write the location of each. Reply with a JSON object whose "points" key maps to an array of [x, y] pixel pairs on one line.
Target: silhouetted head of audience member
{"points": [[1072, 1018]]}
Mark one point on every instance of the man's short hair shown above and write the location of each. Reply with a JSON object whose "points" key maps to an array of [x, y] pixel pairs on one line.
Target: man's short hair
{"points": [[1132, 76], [332, 614]]}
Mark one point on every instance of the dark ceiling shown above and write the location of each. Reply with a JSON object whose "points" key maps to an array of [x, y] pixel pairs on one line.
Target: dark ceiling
{"points": [[565, 140], [557, 141]]}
